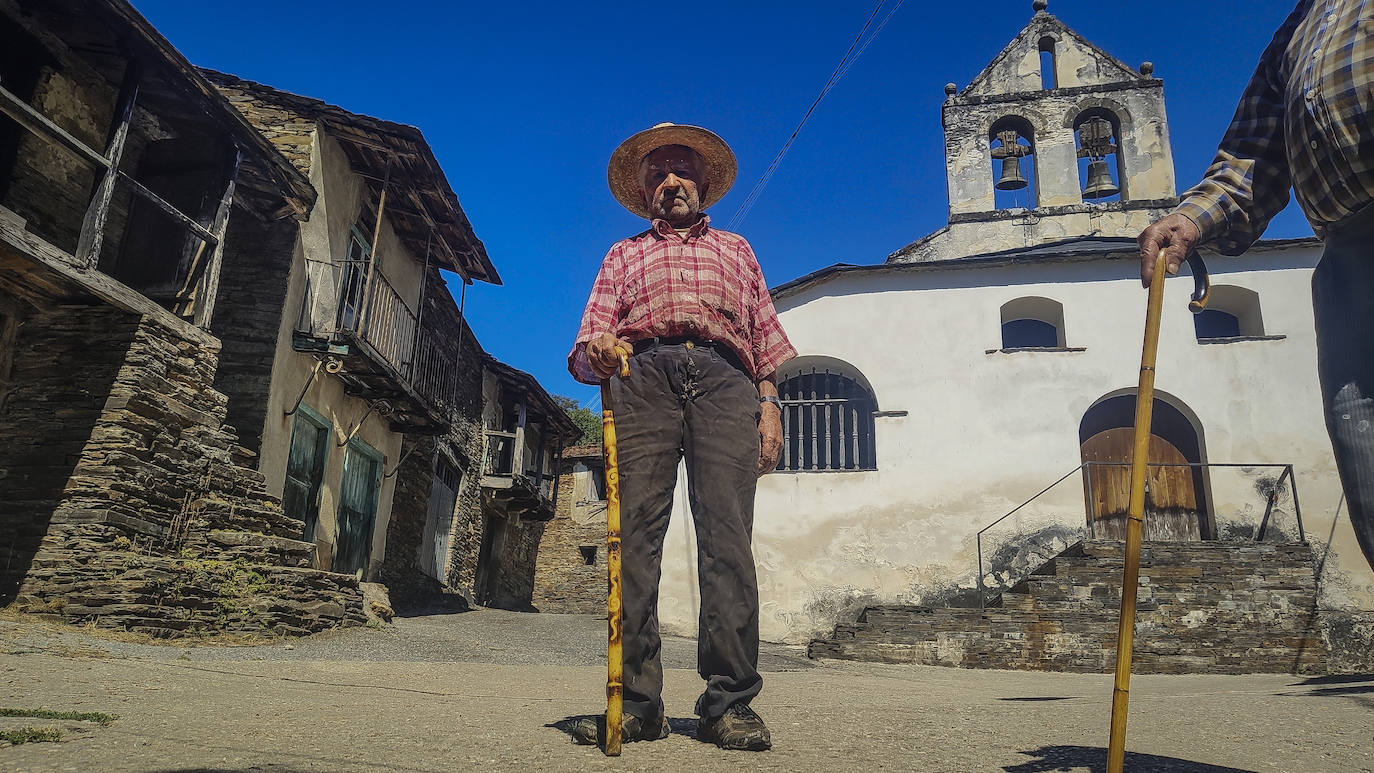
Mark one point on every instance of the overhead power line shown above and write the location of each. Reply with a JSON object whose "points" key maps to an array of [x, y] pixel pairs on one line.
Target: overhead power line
{"points": [[850, 57]]}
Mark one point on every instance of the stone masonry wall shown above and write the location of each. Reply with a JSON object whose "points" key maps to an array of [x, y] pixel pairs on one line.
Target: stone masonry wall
{"points": [[564, 581], [122, 500], [1204, 607], [248, 318], [400, 569]]}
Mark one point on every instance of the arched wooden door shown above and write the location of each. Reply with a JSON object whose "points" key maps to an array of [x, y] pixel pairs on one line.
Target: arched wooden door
{"points": [[1175, 502]]}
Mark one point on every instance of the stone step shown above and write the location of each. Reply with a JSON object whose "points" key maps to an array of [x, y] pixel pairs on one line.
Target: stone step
{"points": [[1202, 606]]}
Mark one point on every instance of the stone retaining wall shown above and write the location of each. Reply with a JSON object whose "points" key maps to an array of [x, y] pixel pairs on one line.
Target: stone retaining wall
{"points": [[120, 498], [1203, 607]]}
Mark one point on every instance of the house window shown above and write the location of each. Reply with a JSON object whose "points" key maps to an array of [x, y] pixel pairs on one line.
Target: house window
{"points": [[305, 469], [1011, 141], [1032, 323], [588, 554], [827, 421], [1232, 312]]}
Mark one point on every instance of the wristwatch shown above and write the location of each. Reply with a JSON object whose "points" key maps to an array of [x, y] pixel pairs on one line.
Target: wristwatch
{"points": [[771, 399]]}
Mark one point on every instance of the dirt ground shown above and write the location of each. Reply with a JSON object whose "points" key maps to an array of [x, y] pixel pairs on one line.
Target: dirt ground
{"points": [[488, 690]]}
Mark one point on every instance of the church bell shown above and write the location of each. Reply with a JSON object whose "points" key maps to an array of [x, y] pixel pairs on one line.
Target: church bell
{"points": [[1100, 183], [1011, 179]]}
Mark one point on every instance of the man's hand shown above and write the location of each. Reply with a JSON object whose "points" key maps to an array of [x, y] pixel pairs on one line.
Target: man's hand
{"points": [[1174, 236], [770, 437], [602, 354]]}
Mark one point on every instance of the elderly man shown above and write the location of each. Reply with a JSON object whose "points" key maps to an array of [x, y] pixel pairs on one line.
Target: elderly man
{"points": [[1306, 121], [690, 304]]}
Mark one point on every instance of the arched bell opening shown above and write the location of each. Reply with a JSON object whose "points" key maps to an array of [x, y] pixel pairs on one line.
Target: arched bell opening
{"points": [[1176, 498], [1097, 132], [1011, 142]]}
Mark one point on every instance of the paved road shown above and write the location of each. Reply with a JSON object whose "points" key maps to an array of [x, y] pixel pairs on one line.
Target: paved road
{"points": [[489, 691]]}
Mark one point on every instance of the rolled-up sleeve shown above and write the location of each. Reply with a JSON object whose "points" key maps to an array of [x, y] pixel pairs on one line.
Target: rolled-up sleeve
{"points": [[598, 317], [1248, 181]]}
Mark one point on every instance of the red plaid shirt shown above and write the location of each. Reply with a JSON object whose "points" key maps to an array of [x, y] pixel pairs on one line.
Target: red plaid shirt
{"points": [[706, 285]]}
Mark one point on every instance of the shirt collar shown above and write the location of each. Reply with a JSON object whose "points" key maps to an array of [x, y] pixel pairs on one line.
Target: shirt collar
{"points": [[664, 231]]}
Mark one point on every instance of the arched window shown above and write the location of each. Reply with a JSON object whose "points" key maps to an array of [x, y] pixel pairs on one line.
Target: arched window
{"points": [[1033, 323], [1048, 77], [1232, 312], [1012, 141], [827, 417], [1097, 131]]}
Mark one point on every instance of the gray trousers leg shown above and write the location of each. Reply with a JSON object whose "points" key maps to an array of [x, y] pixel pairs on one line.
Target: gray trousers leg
{"points": [[1343, 300], [679, 402]]}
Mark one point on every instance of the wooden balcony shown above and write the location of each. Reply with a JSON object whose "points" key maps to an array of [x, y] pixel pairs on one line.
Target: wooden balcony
{"points": [[528, 493], [382, 352]]}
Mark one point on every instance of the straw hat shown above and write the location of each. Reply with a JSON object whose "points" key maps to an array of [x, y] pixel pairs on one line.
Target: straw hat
{"points": [[623, 171]]}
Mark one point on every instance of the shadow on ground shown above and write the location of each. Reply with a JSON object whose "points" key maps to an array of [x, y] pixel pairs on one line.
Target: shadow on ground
{"points": [[686, 727], [424, 605], [1094, 760]]}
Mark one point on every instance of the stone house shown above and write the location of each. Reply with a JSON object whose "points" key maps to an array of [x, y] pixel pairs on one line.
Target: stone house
{"points": [[129, 191], [339, 364], [1012, 391], [570, 575], [376, 383]]}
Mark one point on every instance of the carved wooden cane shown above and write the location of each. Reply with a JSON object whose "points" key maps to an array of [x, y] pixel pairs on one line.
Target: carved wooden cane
{"points": [[614, 661], [1140, 457]]}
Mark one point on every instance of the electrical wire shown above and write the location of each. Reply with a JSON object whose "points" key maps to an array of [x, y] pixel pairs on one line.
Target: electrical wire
{"points": [[850, 57]]}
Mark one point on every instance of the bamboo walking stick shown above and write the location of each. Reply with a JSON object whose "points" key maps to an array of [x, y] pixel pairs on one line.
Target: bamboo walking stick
{"points": [[614, 660], [1144, 408]]}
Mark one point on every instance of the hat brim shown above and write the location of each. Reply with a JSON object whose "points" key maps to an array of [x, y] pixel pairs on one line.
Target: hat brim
{"points": [[623, 172]]}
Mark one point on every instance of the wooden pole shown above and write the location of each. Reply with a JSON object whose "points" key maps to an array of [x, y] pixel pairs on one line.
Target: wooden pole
{"points": [[614, 606], [372, 267], [1125, 632]]}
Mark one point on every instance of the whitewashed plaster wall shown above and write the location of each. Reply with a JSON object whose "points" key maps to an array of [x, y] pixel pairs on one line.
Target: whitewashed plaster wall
{"points": [[986, 431], [319, 254]]}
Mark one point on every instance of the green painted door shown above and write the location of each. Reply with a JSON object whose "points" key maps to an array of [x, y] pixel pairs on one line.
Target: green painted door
{"points": [[305, 470], [358, 492]]}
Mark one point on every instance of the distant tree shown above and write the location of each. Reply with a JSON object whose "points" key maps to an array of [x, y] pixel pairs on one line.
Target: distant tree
{"points": [[584, 418]]}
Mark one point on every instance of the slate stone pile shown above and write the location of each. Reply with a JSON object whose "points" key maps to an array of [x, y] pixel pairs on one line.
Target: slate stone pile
{"points": [[125, 502]]}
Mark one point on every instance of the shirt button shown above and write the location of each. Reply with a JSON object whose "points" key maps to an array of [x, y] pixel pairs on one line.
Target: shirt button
{"points": [[1314, 144], [1309, 93]]}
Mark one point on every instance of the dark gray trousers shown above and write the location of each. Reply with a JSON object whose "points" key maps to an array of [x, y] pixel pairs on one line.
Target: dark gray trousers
{"points": [[1343, 299], [680, 402]]}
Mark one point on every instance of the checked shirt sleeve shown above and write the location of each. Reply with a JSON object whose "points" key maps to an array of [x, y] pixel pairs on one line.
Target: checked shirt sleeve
{"points": [[1247, 183], [769, 343], [598, 317]]}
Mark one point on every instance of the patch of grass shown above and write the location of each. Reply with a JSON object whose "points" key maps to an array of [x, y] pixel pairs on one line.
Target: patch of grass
{"points": [[31, 735], [77, 716]]}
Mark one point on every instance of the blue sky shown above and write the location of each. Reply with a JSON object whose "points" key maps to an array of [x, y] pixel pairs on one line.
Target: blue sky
{"points": [[523, 103]]}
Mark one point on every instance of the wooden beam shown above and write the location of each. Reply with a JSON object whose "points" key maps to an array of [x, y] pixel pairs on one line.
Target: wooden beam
{"points": [[372, 266], [98, 209], [96, 283], [37, 123], [209, 288], [186, 222]]}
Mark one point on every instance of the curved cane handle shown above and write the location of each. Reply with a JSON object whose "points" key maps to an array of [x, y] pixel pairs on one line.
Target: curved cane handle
{"points": [[1202, 284], [624, 361]]}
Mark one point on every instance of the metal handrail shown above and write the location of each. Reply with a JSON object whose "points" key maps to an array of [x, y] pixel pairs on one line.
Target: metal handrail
{"points": [[1287, 474]]}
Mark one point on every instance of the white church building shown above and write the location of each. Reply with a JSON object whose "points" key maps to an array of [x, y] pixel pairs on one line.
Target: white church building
{"points": [[989, 368]]}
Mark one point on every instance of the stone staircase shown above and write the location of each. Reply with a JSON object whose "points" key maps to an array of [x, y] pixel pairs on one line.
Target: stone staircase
{"points": [[1203, 607]]}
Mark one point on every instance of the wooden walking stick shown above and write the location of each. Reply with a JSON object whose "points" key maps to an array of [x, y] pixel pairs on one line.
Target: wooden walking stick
{"points": [[614, 661], [1140, 457]]}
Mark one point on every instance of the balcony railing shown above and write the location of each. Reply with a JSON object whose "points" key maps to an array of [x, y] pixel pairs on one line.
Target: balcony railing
{"points": [[373, 311]]}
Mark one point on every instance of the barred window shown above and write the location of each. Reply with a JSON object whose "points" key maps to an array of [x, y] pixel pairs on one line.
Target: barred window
{"points": [[827, 422]]}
